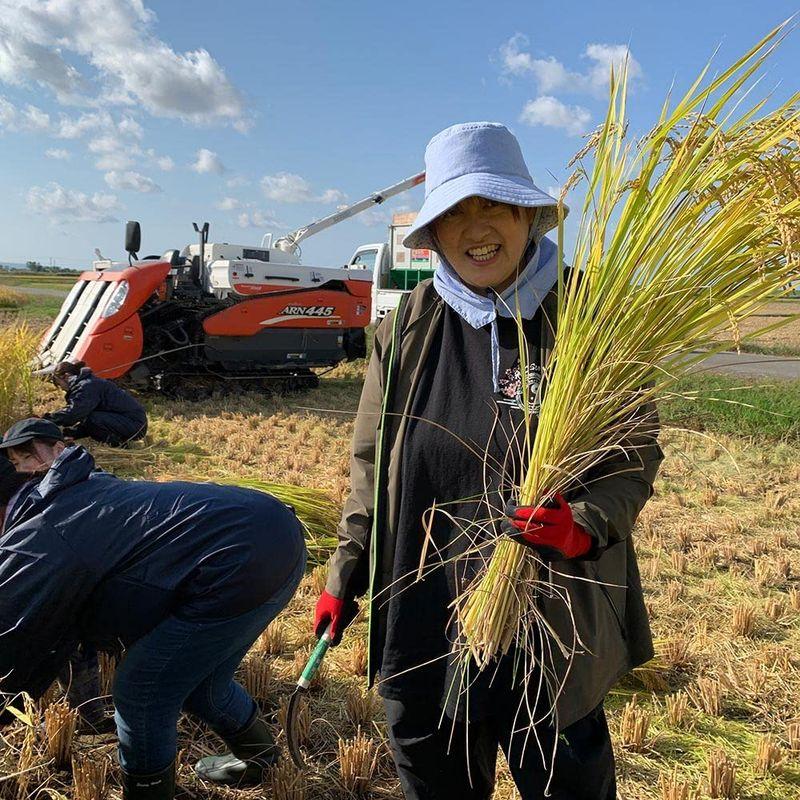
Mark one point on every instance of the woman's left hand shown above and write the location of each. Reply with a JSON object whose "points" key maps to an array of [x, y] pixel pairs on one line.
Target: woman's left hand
{"points": [[550, 529]]}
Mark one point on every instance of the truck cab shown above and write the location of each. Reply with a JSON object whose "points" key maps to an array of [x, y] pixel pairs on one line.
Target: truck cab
{"points": [[396, 269]]}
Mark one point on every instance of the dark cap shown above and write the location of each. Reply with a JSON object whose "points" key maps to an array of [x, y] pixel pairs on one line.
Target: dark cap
{"points": [[28, 429]]}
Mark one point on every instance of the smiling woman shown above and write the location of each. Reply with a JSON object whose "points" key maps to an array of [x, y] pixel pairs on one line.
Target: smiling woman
{"points": [[484, 240], [451, 400]]}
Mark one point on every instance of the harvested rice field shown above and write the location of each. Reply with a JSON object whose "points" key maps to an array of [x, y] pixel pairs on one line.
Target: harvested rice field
{"points": [[714, 715]]}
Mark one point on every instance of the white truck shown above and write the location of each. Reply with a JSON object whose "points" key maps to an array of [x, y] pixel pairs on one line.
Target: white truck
{"points": [[396, 270]]}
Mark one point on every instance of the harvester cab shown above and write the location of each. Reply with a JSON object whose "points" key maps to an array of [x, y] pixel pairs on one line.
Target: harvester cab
{"points": [[216, 312]]}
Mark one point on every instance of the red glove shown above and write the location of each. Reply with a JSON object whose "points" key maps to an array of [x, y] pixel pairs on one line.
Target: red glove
{"points": [[549, 528], [339, 612]]}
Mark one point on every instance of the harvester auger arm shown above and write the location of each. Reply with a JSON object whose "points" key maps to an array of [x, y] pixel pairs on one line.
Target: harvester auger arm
{"points": [[289, 242]]}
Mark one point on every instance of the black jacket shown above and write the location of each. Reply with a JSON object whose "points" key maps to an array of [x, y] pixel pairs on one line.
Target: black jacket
{"points": [[88, 394], [89, 557]]}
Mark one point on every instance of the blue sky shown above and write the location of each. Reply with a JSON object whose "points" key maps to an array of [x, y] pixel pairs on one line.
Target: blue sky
{"points": [[260, 116]]}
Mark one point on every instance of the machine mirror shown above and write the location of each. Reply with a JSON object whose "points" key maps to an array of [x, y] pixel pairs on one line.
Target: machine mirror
{"points": [[133, 237]]}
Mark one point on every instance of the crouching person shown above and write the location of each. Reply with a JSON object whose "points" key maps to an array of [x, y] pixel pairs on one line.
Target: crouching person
{"points": [[96, 408], [185, 575]]}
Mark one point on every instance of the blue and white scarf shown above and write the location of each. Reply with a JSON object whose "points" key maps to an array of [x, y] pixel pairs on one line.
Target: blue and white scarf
{"points": [[524, 295]]}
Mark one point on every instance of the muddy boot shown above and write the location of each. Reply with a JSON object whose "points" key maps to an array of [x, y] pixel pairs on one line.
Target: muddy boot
{"points": [[252, 750], [158, 786]]}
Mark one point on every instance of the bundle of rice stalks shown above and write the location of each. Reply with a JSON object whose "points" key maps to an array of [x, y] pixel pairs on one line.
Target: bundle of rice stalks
{"points": [[357, 760], [675, 788], [687, 231], [59, 725], [17, 347], [89, 778], [316, 511]]}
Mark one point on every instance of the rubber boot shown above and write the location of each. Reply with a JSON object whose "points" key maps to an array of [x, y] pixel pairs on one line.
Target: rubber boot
{"points": [[158, 786], [252, 750]]}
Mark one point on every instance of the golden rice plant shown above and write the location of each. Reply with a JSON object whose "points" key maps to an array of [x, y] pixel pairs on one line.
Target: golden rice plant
{"points": [[89, 778], [721, 775], [59, 725], [357, 760], [11, 299], [17, 347], [684, 232]]}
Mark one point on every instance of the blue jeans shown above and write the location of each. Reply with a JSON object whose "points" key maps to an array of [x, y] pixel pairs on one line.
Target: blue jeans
{"points": [[189, 666]]}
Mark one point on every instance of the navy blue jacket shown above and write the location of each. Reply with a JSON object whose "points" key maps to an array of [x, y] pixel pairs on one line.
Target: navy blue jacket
{"points": [[87, 557], [87, 394]]}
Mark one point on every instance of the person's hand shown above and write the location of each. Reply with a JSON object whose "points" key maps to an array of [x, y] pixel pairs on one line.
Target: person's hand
{"points": [[550, 529], [337, 611]]}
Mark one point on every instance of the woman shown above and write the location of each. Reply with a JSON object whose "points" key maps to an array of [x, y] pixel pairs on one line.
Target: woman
{"points": [[96, 407], [185, 576], [450, 356]]}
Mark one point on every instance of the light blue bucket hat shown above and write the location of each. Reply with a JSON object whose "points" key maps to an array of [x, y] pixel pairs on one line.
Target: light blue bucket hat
{"points": [[483, 159]]}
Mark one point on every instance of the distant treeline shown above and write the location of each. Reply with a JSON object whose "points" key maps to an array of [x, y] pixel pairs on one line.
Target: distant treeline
{"points": [[35, 266]]}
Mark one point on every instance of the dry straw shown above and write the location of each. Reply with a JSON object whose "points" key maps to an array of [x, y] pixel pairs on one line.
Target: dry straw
{"points": [[357, 760], [634, 726], [286, 782], [684, 232], [59, 725], [721, 775], [768, 754], [89, 778]]}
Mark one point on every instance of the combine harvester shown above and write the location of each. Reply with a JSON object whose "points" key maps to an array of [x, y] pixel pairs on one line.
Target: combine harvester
{"points": [[188, 320]]}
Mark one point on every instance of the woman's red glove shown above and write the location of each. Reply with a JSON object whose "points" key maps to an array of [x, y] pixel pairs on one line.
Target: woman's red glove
{"points": [[338, 612], [550, 529]]}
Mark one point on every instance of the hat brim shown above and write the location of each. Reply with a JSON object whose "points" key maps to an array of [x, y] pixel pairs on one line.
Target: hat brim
{"points": [[17, 440], [492, 187]]}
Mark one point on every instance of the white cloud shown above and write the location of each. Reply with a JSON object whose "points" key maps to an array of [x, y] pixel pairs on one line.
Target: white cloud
{"points": [[207, 161], [257, 219], [67, 205], [606, 56], [131, 181], [115, 160], [550, 112], [374, 217], [286, 187], [31, 118], [552, 76], [76, 127], [123, 61], [165, 163], [237, 182], [228, 204], [58, 154]]}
